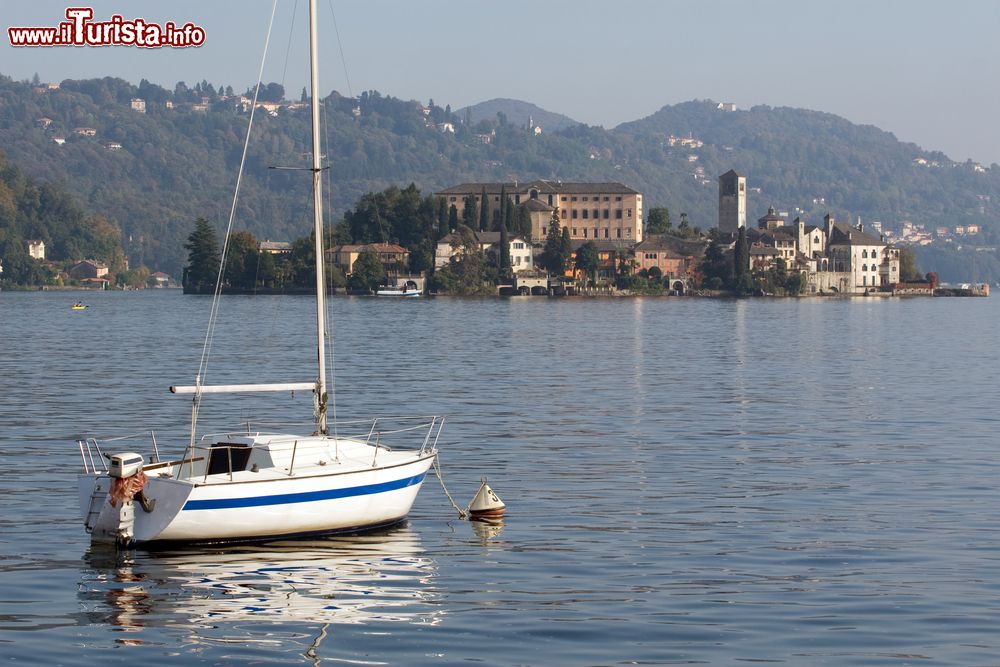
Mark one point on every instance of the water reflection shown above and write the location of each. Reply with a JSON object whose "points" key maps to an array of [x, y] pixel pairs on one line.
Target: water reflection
{"points": [[346, 580]]}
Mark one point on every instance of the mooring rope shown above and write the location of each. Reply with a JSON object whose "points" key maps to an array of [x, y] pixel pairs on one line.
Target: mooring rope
{"points": [[462, 514]]}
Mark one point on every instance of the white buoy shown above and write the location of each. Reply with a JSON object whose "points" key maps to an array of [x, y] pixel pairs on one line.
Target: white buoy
{"points": [[486, 504]]}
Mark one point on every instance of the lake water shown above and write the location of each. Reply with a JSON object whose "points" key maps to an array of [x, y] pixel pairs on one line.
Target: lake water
{"points": [[803, 482]]}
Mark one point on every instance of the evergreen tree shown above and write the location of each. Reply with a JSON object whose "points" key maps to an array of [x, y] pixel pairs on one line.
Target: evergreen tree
{"points": [[202, 269], [588, 260], [452, 218], [502, 217], [741, 259], [552, 258], [484, 212], [470, 213], [504, 251], [658, 220], [510, 215], [442, 217]]}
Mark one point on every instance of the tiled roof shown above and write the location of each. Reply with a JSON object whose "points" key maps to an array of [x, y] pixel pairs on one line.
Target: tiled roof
{"points": [[847, 235], [543, 186]]}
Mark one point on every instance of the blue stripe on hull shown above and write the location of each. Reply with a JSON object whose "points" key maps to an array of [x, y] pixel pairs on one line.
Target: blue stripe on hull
{"points": [[306, 497]]}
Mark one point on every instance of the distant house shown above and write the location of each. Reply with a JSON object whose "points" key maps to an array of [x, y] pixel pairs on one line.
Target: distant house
{"points": [[138, 104], [726, 106], [160, 280], [275, 247], [201, 108], [36, 249], [88, 269], [673, 257], [521, 255], [395, 258], [446, 127], [59, 140], [85, 131], [43, 121], [113, 146]]}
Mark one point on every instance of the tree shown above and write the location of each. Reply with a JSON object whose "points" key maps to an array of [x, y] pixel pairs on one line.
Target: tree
{"points": [[242, 259], [504, 251], [908, 271], [502, 217], [202, 269], [552, 259], [741, 260], [470, 212], [368, 272], [452, 218], [484, 212], [442, 217], [588, 260], [658, 221]]}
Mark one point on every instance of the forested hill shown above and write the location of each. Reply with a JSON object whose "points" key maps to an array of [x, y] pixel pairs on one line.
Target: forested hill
{"points": [[176, 164]]}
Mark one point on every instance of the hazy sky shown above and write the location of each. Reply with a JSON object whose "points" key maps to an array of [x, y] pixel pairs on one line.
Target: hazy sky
{"points": [[924, 70]]}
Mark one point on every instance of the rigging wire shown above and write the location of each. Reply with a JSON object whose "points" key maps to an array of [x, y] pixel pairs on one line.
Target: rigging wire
{"points": [[332, 400], [214, 313]]}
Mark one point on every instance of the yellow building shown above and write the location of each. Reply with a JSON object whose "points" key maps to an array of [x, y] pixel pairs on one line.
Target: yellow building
{"points": [[591, 211]]}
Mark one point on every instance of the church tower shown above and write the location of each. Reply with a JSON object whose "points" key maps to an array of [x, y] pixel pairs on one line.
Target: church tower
{"points": [[732, 202]]}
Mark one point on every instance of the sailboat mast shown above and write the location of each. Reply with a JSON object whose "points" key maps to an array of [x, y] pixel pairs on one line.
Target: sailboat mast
{"points": [[317, 172]]}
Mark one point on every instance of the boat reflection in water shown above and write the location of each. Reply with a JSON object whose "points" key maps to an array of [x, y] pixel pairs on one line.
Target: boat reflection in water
{"points": [[362, 579]]}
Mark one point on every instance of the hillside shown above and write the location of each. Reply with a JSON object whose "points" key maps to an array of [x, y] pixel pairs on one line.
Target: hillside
{"points": [[175, 164], [517, 113]]}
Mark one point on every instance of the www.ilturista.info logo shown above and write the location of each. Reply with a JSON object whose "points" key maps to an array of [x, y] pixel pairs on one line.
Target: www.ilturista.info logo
{"points": [[80, 30]]}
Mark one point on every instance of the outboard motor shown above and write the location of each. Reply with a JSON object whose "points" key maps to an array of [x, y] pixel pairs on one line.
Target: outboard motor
{"points": [[116, 519]]}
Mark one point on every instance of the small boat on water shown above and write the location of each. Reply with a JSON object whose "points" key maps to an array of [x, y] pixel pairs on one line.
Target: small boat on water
{"points": [[398, 291], [79, 306], [253, 484]]}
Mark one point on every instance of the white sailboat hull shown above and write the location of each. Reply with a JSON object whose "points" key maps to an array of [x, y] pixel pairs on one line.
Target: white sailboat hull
{"points": [[333, 497]]}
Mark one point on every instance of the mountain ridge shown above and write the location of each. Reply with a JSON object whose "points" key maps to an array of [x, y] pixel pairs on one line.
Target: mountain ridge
{"points": [[176, 164]]}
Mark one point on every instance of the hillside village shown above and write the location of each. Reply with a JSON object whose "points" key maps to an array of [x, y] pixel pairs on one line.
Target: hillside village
{"points": [[831, 258], [605, 218]]}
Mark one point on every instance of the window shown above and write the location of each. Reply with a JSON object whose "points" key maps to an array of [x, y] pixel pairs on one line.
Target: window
{"points": [[864, 268], [517, 199], [453, 198], [606, 214], [585, 199], [630, 213], [586, 212], [584, 232], [607, 232], [618, 198], [564, 198], [534, 194], [619, 232], [618, 214], [628, 232], [874, 254], [606, 198], [596, 234], [572, 198], [574, 214], [551, 199], [597, 214], [864, 253], [574, 231]]}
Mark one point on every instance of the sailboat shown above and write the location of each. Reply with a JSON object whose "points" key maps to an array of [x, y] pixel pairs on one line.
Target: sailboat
{"points": [[249, 485]]}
